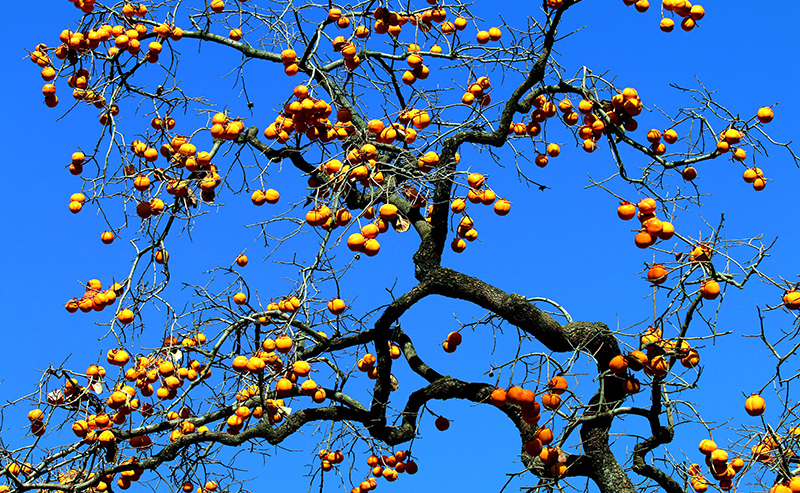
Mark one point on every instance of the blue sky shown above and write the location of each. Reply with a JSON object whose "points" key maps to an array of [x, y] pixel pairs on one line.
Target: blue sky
{"points": [[564, 243]]}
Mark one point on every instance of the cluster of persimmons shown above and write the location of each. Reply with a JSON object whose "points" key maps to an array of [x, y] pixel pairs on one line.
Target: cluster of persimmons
{"points": [[308, 116], [723, 468], [682, 8], [540, 444]]}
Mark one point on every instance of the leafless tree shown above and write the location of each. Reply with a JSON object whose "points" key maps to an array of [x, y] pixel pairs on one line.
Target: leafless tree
{"points": [[379, 147]]}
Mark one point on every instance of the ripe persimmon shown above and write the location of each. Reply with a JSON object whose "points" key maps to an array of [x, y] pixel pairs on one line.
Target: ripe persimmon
{"points": [[283, 344], [557, 384], [502, 207], [631, 386], [647, 206], [667, 230], [626, 211], [458, 245], [475, 180], [117, 357], [309, 387], [533, 447], [36, 416], [258, 197], [732, 136], [125, 316], [336, 306], [755, 405], [657, 274], [643, 239], [271, 196], [710, 289], [239, 363], [217, 6], [697, 12], [551, 400], [458, 205], [751, 174], [371, 247], [291, 70], [689, 173], [791, 300], [707, 446], [388, 212], [765, 114], [618, 364], [161, 256], [498, 397]]}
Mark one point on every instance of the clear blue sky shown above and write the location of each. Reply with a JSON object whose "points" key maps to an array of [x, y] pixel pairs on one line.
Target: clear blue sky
{"points": [[564, 243]]}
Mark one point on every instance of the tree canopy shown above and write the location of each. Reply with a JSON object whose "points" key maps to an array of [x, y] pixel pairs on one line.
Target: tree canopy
{"points": [[288, 198]]}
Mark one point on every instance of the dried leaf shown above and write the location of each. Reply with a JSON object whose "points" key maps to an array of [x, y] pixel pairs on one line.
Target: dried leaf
{"points": [[175, 355], [55, 397], [401, 224], [191, 198], [208, 196]]}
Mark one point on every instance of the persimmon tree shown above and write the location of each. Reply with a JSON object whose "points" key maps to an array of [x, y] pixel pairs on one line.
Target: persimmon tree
{"points": [[384, 99]]}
